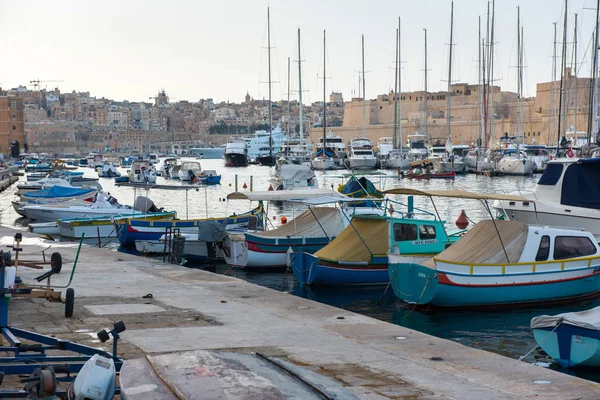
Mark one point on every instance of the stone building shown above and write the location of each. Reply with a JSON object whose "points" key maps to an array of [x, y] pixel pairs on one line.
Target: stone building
{"points": [[11, 123]]}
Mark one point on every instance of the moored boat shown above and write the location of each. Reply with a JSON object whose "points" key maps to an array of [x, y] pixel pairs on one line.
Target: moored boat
{"points": [[571, 339]]}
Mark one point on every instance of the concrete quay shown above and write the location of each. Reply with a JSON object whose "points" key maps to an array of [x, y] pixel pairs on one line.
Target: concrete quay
{"points": [[198, 310]]}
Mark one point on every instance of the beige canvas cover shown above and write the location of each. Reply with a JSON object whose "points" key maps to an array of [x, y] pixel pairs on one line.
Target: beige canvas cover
{"points": [[481, 245], [306, 225], [348, 246]]}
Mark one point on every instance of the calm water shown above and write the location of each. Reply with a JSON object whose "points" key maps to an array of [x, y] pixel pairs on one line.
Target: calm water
{"points": [[504, 331]]}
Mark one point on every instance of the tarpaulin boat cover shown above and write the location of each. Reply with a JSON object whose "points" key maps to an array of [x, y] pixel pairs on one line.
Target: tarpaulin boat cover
{"points": [[349, 247], [360, 188], [588, 319], [482, 244], [57, 192], [211, 231], [305, 224]]}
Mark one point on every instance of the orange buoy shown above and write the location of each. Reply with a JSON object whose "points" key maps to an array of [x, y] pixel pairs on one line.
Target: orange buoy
{"points": [[391, 209], [462, 222], [275, 217], [245, 186], [284, 220]]}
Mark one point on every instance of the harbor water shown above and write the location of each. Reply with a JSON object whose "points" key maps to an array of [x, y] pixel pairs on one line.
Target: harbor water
{"points": [[503, 331]]}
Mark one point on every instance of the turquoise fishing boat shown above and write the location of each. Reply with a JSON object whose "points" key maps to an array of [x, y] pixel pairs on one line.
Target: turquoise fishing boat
{"points": [[501, 263]]}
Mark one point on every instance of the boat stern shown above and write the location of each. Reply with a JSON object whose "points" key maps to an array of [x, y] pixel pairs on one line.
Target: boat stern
{"points": [[304, 266], [412, 283]]}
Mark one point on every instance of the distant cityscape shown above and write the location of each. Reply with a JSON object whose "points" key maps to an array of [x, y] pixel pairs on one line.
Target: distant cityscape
{"points": [[57, 123]]}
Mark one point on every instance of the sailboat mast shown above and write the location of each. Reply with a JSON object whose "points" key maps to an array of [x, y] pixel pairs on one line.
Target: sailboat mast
{"points": [[426, 133], [561, 119], [396, 95], [479, 85], [270, 102], [554, 82], [324, 99], [400, 84], [575, 75], [486, 78], [491, 81], [363, 88], [449, 116], [288, 98], [301, 134], [519, 94], [595, 75]]}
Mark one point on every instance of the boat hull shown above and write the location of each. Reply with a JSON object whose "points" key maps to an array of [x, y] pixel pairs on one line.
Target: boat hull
{"points": [[250, 251], [515, 166], [193, 250], [362, 162], [570, 346], [235, 160], [421, 285], [310, 270]]}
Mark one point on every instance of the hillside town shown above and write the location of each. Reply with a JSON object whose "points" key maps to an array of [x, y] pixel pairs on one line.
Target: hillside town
{"points": [[59, 123]]}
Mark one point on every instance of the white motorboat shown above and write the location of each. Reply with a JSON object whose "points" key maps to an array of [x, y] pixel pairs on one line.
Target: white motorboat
{"points": [[384, 146], [108, 171], [567, 195], [361, 154], [41, 184], [332, 157], [142, 172], [295, 150], [539, 155], [291, 176], [397, 159], [479, 162], [102, 207], [515, 162], [417, 143], [236, 153], [258, 144]]}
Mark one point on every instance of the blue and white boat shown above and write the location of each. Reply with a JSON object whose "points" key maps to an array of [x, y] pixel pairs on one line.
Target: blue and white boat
{"points": [[130, 231], [571, 339], [58, 193]]}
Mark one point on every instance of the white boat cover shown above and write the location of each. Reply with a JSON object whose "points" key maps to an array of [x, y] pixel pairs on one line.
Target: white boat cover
{"points": [[588, 319], [305, 224], [284, 195]]}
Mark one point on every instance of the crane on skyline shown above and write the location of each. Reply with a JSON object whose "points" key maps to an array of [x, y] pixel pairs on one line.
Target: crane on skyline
{"points": [[36, 82]]}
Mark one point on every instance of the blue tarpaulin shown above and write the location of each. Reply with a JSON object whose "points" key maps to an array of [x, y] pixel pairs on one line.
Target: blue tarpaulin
{"points": [[581, 185], [57, 192]]}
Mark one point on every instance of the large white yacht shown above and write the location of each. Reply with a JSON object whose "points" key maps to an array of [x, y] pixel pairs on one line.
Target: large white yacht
{"points": [[236, 153], [567, 194], [361, 154], [418, 146], [258, 144]]}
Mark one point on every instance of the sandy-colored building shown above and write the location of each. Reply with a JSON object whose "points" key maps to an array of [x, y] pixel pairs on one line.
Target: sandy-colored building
{"points": [[51, 137], [11, 123], [540, 122]]}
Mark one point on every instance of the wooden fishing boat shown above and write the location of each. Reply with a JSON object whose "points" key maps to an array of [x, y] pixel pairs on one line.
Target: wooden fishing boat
{"points": [[431, 175], [571, 339]]}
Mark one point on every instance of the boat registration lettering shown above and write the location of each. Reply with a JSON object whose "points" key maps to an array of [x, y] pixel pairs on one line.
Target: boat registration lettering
{"points": [[422, 275], [577, 339], [429, 241]]}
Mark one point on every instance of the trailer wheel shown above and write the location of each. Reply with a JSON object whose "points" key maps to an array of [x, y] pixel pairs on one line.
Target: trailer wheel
{"points": [[56, 262], [69, 302]]}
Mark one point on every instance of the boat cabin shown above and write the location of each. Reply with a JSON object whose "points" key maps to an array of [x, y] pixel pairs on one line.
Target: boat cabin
{"points": [[418, 236]]}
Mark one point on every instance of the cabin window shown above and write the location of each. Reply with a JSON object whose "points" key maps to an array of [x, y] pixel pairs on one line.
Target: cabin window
{"points": [[551, 175], [572, 246], [544, 250], [427, 232], [405, 232]]}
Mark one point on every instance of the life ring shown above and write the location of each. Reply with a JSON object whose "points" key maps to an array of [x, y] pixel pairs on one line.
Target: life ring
{"points": [[570, 153]]}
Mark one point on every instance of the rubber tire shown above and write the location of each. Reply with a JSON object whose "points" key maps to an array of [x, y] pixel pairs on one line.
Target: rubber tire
{"points": [[69, 302], [56, 262]]}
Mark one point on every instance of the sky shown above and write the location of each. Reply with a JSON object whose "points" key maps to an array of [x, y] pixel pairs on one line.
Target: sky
{"points": [[128, 50]]}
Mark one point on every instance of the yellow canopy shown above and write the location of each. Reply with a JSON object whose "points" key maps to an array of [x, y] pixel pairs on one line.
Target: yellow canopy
{"points": [[459, 194], [348, 246]]}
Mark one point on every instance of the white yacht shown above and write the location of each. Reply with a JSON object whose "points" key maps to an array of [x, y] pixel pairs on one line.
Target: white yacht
{"points": [[397, 158], [566, 195], [478, 160], [236, 153], [361, 154], [335, 153], [515, 162], [455, 161], [539, 155], [142, 172], [258, 144], [384, 146], [295, 151], [418, 147]]}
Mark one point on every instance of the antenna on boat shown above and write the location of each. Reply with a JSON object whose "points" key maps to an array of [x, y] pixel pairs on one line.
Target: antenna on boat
{"points": [[363, 87], [449, 117]]}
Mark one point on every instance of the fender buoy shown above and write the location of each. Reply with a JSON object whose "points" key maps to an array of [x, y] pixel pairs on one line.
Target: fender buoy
{"points": [[570, 153]]}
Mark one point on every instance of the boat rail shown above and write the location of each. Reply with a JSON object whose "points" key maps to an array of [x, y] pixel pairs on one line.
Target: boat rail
{"points": [[524, 267], [521, 191]]}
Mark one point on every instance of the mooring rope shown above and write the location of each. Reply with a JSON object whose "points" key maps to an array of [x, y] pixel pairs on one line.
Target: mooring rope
{"points": [[386, 288], [420, 297], [541, 341]]}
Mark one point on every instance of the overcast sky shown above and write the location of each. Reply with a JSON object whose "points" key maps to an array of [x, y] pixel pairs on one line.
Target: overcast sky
{"points": [[216, 49]]}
